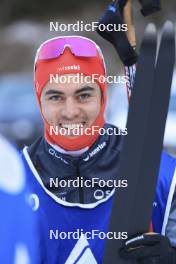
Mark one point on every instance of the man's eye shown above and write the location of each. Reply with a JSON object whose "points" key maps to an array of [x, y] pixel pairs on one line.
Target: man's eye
{"points": [[84, 96], [55, 98]]}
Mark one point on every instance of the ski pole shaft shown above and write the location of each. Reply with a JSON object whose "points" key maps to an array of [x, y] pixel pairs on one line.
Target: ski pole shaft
{"points": [[128, 19]]}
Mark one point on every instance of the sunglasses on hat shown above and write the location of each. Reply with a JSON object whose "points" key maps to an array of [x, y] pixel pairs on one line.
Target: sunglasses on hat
{"points": [[79, 46]]}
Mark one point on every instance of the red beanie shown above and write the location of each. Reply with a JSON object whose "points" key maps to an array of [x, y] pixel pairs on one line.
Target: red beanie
{"points": [[68, 63]]}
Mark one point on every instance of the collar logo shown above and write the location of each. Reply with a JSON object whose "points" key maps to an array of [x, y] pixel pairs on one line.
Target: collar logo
{"points": [[55, 154], [95, 151]]}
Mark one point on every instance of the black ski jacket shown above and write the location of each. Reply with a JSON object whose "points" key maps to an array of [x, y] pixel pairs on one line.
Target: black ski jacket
{"points": [[97, 167]]}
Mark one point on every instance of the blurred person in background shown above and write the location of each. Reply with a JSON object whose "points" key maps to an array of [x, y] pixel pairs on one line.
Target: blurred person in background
{"points": [[55, 159], [17, 222]]}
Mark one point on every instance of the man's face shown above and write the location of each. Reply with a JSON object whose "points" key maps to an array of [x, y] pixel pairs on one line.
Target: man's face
{"points": [[70, 105]]}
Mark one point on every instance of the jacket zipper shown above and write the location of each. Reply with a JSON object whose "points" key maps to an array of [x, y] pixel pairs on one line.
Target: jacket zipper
{"points": [[81, 193]]}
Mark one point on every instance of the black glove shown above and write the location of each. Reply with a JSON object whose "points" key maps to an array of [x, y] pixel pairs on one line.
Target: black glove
{"points": [[150, 6], [149, 249], [114, 15]]}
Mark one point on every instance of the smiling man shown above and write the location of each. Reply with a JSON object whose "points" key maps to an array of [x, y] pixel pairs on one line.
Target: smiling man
{"points": [[72, 169], [73, 175], [72, 107]]}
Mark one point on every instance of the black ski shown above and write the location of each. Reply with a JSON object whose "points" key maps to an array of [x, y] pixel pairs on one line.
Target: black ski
{"points": [[136, 125], [132, 207], [155, 131]]}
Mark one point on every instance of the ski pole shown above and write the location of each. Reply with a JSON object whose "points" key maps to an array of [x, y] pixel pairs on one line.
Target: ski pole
{"points": [[129, 20]]}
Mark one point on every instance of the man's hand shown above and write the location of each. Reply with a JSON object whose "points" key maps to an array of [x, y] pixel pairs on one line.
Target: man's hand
{"points": [[114, 16], [150, 248]]}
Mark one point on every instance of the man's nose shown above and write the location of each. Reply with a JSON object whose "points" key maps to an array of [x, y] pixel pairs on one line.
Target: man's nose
{"points": [[70, 109]]}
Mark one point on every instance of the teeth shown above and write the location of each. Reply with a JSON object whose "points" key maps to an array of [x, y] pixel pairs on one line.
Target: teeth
{"points": [[72, 126]]}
